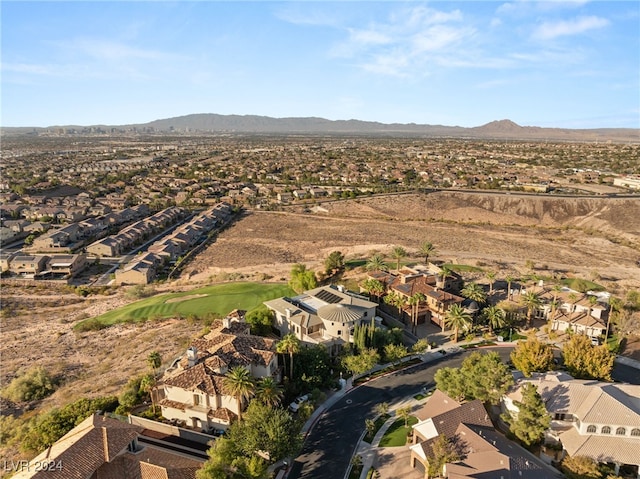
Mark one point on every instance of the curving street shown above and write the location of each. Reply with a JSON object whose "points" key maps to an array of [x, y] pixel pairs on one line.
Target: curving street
{"points": [[331, 442]]}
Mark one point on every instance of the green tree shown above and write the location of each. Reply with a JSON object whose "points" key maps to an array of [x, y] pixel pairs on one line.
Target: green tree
{"points": [[474, 292], [269, 392], [627, 323], [532, 355], [373, 287], [376, 263], [495, 317], [420, 346], [580, 467], [457, 319], [36, 383], [532, 420], [404, 413], [147, 385], [362, 362], [397, 300], [239, 384], [531, 301], [154, 360], [382, 408], [414, 301], [260, 321], [445, 271], [302, 279], [426, 250], [481, 376], [587, 361], [491, 276], [398, 253], [334, 262], [394, 352], [290, 345], [509, 279], [370, 426], [444, 452]]}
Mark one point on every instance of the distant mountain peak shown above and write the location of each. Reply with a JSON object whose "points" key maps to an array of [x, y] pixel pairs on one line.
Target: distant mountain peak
{"points": [[501, 125]]}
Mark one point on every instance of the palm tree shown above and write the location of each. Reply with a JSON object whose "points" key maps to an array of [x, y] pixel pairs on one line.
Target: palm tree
{"points": [[154, 360], [239, 384], [509, 279], [457, 318], [495, 317], [148, 385], [373, 287], [376, 263], [289, 344], [531, 301], [474, 292], [555, 304], [445, 271], [427, 249], [395, 299], [269, 392], [414, 301], [398, 253], [491, 276], [593, 300]]}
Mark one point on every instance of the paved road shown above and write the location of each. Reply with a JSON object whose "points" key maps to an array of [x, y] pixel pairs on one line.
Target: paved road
{"points": [[330, 444]]}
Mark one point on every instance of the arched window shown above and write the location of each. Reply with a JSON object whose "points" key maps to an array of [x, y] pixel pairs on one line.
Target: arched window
{"points": [[621, 431], [591, 428], [635, 432], [605, 430]]}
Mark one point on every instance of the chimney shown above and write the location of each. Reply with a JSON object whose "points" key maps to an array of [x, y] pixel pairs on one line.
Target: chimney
{"points": [[288, 313], [226, 322], [192, 356]]}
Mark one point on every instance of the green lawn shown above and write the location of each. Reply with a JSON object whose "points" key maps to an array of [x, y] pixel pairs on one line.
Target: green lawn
{"points": [[459, 268], [218, 300], [580, 284], [396, 435]]}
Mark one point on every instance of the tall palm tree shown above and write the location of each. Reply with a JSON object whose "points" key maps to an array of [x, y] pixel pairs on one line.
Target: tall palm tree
{"points": [[376, 263], [495, 317], [290, 345], [396, 300], [555, 304], [414, 301], [457, 318], [491, 276], [427, 249], [531, 301], [398, 252], [154, 360], [373, 287], [509, 279], [269, 392], [474, 292], [239, 384], [445, 271]]}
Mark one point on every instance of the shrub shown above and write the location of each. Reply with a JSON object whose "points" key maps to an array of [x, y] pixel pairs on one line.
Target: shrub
{"points": [[33, 385]]}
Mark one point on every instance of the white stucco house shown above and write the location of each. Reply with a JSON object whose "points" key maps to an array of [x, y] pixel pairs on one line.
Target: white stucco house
{"points": [[324, 315]]}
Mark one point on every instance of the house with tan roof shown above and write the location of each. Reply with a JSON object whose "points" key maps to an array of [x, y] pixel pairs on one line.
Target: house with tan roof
{"points": [[582, 313], [192, 391], [325, 315], [589, 418], [105, 448], [483, 452]]}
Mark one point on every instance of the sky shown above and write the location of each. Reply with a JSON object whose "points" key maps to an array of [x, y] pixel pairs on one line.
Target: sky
{"points": [[566, 64]]}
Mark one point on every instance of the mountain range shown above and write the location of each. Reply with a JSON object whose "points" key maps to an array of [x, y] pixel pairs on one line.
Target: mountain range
{"points": [[210, 123]]}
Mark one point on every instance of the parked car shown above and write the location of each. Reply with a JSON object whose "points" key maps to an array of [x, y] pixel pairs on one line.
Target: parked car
{"points": [[295, 405]]}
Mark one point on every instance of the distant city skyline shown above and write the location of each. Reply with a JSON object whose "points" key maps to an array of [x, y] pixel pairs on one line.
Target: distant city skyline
{"points": [[564, 64]]}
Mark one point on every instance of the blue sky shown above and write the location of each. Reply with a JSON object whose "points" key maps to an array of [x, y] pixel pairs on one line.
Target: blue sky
{"points": [[573, 64]]}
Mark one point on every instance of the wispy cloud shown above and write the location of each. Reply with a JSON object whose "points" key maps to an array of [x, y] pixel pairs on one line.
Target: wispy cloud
{"points": [[551, 30]]}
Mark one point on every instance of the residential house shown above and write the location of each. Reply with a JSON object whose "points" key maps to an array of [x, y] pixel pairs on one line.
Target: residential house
{"points": [[578, 312], [484, 453], [104, 448], [325, 315], [28, 265], [589, 418], [66, 265], [193, 390], [436, 289], [140, 270]]}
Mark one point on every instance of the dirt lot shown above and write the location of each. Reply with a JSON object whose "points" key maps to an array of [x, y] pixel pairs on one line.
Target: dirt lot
{"points": [[589, 238]]}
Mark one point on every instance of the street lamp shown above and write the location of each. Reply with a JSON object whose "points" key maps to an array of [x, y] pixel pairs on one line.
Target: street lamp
{"points": [[510, 333]]}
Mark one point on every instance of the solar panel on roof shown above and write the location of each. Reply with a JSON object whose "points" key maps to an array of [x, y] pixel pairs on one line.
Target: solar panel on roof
{"points": [[328, 297]]}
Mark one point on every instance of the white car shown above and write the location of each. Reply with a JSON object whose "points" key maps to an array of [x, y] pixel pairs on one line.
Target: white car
{"points": [[295, 405]]}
